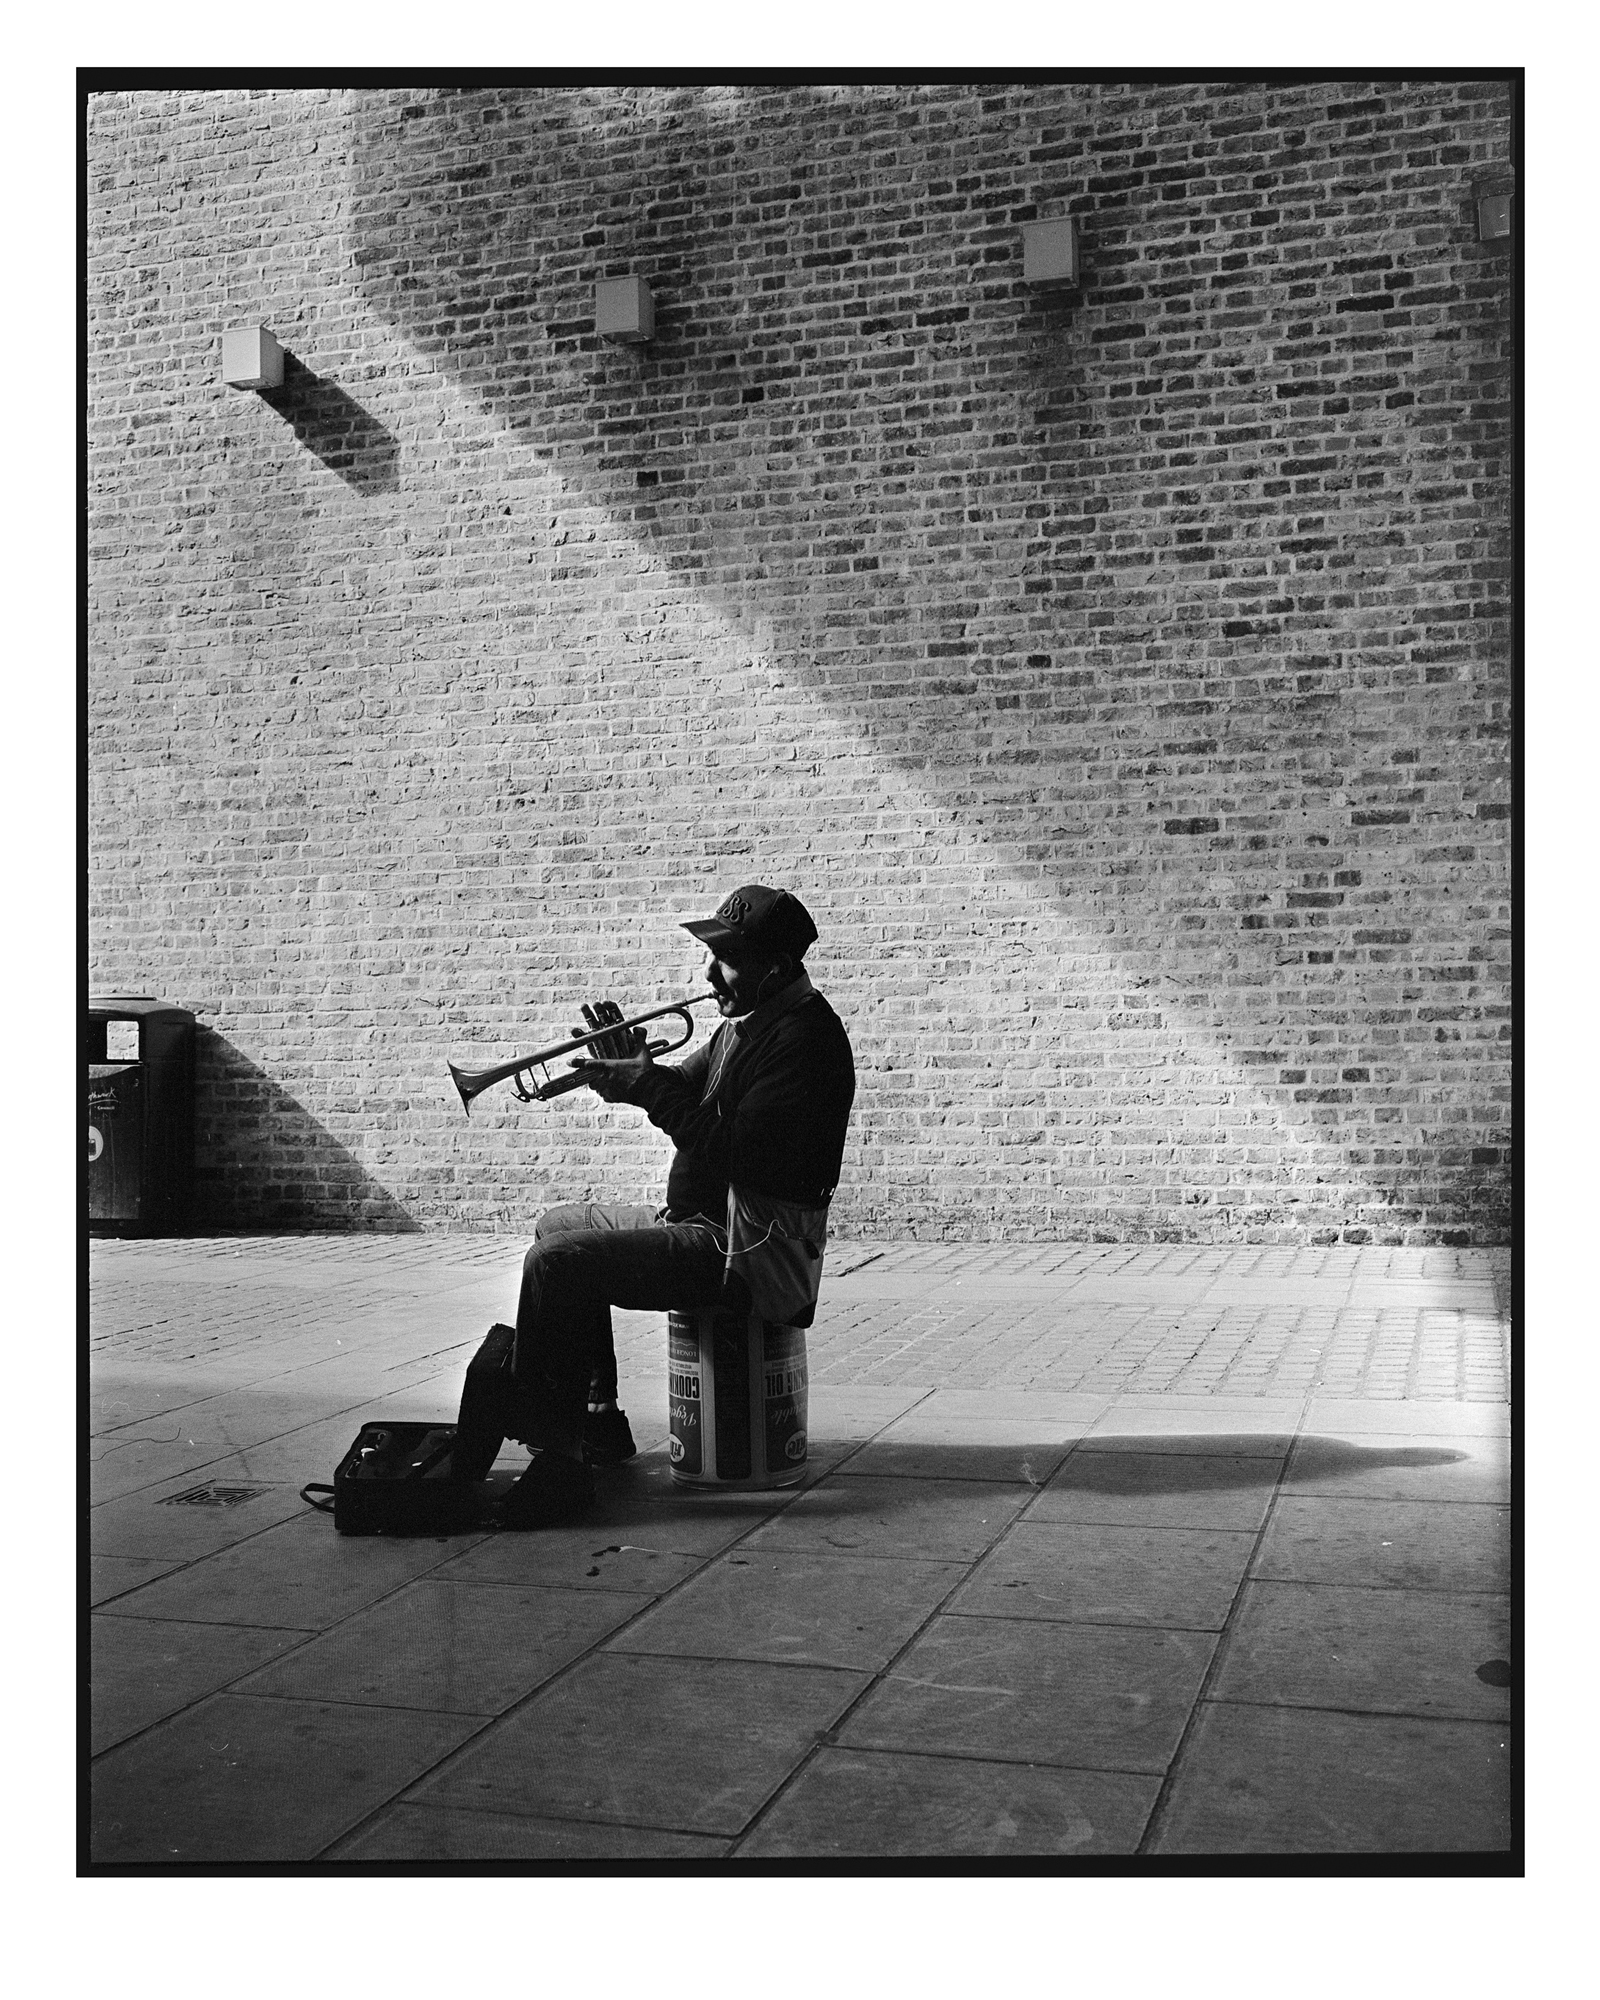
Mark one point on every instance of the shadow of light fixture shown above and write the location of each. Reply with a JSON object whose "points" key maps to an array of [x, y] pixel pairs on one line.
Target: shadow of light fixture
{"points": [[348, 439], [624, 309], [1050, 252], [251, 358]]}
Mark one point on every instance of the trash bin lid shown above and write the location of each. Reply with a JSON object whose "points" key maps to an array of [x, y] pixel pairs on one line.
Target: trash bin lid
{"points": [[140, 1006]]}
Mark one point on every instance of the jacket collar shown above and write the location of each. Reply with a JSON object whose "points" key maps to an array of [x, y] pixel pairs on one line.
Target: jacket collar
{"points": [[798, 989]]}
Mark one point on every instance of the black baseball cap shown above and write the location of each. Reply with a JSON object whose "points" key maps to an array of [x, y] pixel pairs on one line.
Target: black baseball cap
{"points": [[758, 919]]}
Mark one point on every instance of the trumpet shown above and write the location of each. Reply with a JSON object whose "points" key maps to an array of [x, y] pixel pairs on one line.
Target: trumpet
{"points": [[471, 1083]]}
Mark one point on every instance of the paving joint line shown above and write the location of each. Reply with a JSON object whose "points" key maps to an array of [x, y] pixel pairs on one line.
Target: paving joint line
{"points": [[1357, 1714], [949, 1755], [551, 1819], [1160, 1810]]}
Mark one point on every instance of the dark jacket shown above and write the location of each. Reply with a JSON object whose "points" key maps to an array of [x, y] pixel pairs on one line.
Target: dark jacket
{"points": [[776, 1120]]}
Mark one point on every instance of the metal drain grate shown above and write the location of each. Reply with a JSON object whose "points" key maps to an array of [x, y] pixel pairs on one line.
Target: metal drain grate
{"points": [[214, 1496]]}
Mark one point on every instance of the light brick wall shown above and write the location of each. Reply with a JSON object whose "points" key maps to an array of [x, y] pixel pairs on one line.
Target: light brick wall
{"points": [[1121, 678]]}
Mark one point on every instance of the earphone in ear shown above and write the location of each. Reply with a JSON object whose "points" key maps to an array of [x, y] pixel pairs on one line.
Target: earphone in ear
{"points": [[783, 972]]}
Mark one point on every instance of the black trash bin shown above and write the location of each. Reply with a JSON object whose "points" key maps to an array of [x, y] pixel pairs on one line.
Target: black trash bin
{"points": [[140, 1055]]}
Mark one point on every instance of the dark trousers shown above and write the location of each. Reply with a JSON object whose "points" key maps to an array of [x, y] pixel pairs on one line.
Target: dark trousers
{"points": [[586, 1258]]}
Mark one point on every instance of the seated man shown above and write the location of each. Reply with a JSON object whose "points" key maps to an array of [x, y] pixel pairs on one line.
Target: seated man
{"points": [[758, 1118]]}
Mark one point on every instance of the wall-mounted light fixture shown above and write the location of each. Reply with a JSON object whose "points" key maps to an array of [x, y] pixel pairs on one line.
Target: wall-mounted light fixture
{"points": [[1050, 252], [1494, 217], [251, 359], [624, 309]]}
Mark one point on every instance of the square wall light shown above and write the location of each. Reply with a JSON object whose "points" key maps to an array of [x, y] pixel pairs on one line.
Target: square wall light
{"points": [[1494, 217], [1050, 252], [624, 309], [251, 359]]}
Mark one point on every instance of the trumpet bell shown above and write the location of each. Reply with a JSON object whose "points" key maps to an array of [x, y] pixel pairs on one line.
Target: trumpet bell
{"points": [[468, 1083], [473, 1083]]}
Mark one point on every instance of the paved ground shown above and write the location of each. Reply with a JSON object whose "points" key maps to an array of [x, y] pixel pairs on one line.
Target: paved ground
{"points": [[1102, 1551]]}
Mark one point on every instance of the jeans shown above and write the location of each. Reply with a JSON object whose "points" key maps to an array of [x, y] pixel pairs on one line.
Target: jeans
{"points": [[586, 1258]]}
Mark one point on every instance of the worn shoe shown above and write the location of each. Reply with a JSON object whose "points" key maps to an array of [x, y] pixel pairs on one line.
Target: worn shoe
{"points": [[552, 1490], [607, 1439]]}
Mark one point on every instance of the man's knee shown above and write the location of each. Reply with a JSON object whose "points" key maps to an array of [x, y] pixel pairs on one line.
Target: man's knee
{"points": [[556, 1259], [536, 1262], [561, 1220]]}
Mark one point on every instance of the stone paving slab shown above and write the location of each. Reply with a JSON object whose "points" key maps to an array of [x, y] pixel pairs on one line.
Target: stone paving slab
{"points": [[1183, 1579], [579, 1558], [1416, 1416], [1288, 1780], [240, 1778], [1400, 1544], [1400, 1465], [1133, 1487], [1101, 1549], [1004, 1448], [1250, 1426], [690, 1746], [865, 1803], [1402, 1652], [944, 1520], [832, 1610], [1038, 1691]]}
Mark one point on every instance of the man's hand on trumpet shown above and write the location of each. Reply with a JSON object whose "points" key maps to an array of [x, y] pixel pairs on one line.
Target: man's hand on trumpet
{"points": [[618, 1061]]}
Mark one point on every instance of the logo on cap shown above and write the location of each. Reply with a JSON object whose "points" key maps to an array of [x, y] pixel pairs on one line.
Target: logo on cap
{"points": [[734, 910]]}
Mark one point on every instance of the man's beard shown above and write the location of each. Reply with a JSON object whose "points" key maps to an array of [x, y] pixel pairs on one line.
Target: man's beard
{"points": [[728, 999]]}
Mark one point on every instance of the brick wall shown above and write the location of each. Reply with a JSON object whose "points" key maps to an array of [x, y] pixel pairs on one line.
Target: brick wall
{"points": [[1121, 677]]}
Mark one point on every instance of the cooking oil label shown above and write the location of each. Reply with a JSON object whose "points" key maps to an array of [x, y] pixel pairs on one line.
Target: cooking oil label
{"points": [[685, 1442], [784, 1396]]}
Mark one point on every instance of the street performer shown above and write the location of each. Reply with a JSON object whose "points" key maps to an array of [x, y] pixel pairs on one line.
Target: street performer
{"points": [[757, 1117]]}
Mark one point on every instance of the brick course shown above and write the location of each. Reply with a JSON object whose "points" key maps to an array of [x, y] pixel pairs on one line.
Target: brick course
{"points": [[1122, 676]]}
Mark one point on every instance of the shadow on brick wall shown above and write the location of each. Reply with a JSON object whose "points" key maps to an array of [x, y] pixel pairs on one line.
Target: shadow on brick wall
{"points": [[810, 431], [261, 1159], [347, 439], [480, 221]]}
